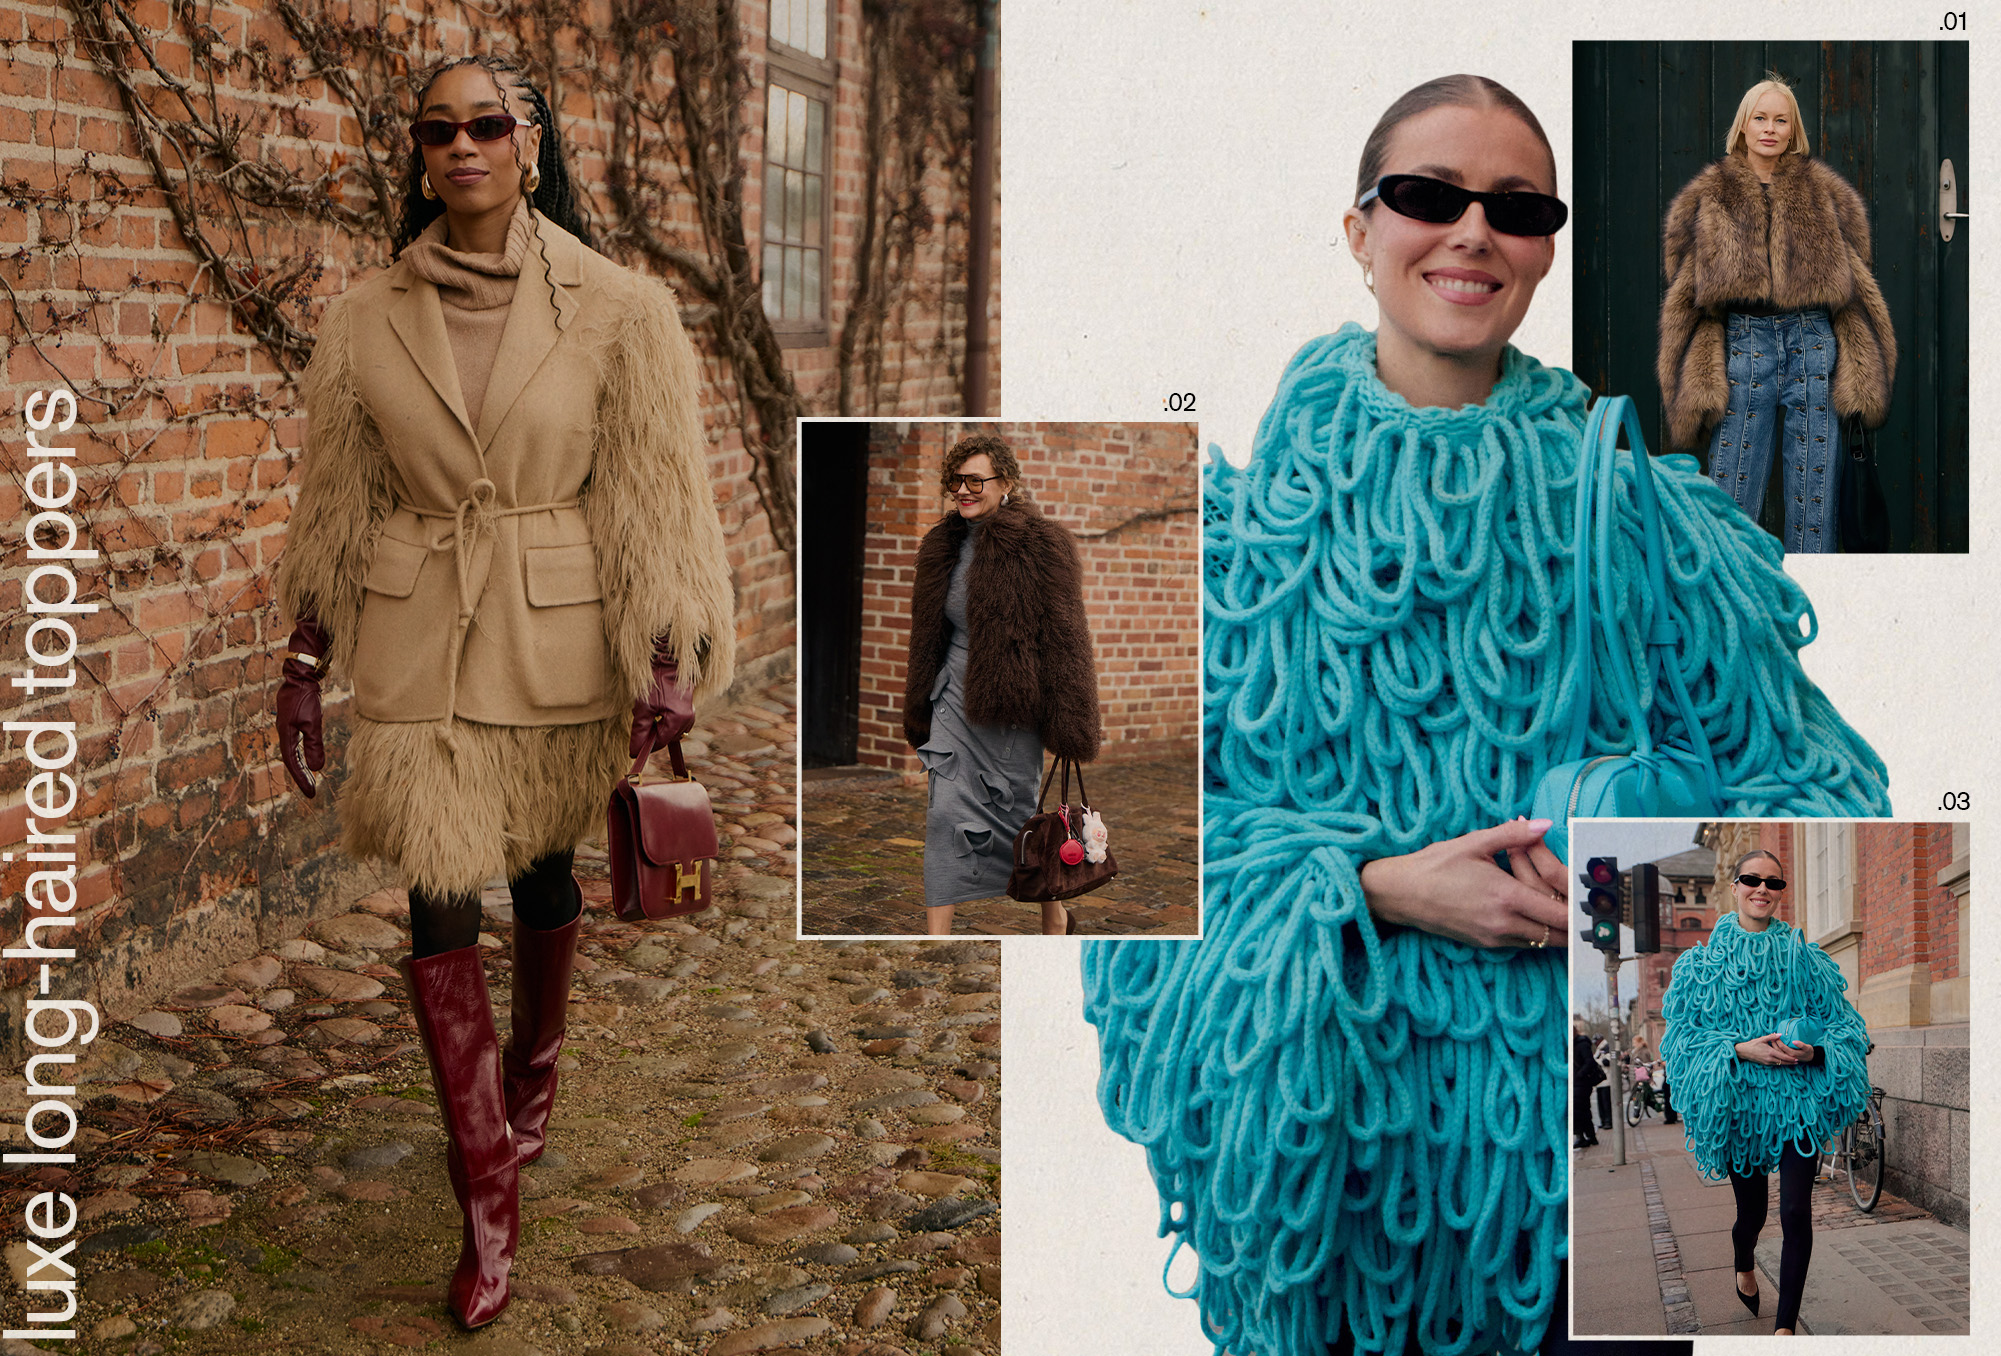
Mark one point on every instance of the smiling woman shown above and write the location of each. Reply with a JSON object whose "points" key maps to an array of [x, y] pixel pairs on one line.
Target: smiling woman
{"points": [[1353, 1093]]}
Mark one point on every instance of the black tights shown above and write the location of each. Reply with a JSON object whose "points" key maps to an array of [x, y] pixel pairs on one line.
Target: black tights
{"points": [[544, 898], [1754, 1197]]}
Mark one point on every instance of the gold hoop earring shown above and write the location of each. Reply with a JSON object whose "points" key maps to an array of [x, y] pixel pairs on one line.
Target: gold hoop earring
{"points": [[424, 183], [532, 180], [1369, 279]]}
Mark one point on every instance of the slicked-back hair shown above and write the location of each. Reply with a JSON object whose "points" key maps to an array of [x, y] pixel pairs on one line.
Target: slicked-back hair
{"points": [[1447, 91]]}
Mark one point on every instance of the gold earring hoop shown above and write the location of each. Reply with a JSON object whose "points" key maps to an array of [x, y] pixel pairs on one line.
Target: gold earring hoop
{"points": [[533, 179], [424, 183], [1369, 279]]}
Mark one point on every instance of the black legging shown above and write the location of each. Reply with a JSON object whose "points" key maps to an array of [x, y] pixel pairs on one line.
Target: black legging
{"points": [[1754, 1197], [544, 898]]}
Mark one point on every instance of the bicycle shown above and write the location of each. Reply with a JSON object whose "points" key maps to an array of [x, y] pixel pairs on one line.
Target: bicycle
{"points": [[1860, 1149], [1640, 1102]]}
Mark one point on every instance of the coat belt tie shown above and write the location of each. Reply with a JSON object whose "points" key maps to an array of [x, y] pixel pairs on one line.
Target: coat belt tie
{"points": [[471, 518]]}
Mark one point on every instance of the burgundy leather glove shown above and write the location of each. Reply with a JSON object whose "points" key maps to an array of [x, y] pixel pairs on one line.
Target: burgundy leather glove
{"points": [[667, 711], [299, 742]]}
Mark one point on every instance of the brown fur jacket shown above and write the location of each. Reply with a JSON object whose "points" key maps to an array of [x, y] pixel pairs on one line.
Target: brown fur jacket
{"points": [[1815, 253], [1030, 647]]}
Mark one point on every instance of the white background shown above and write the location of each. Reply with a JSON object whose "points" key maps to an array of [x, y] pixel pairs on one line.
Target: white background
{"points": [[1174, 176]]}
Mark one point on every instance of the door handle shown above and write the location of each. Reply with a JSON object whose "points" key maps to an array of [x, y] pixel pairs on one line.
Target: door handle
{"points": [[1948, 201]]}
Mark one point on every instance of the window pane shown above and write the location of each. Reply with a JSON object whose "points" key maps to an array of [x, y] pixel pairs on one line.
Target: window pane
{"points": [[774, 122], [811, 298], [774, 270], [816, 26], [795, 129], [816, 128], [811, 235], [795, 206], [793, 272], [774, 202]]}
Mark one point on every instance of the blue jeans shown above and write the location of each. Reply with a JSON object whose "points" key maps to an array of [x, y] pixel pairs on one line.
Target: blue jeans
{"points": [[1780, 366]]}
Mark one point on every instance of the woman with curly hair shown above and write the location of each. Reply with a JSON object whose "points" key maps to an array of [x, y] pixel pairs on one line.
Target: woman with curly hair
{"points": [[1773, 318], [1000, 668], [505, 540]]}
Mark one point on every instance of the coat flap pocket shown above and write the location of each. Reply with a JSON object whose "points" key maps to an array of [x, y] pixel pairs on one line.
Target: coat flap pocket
{"points": [[560, 575], [393, 569]]}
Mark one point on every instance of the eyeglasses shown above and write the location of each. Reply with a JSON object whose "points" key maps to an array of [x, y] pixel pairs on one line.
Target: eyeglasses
{"points": [[1769, 882], [1439, 203], [973, 484], [486, 127]]}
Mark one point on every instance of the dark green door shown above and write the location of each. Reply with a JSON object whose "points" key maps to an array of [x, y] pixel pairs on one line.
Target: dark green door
{"points": [[1885, 114]]}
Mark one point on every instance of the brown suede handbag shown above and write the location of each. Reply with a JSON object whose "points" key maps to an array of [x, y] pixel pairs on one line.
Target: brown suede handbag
{"points": [[662, 840], [1044, 871]]}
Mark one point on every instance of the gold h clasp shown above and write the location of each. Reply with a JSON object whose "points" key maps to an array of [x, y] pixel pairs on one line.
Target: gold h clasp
{"points": [[684, 883]]}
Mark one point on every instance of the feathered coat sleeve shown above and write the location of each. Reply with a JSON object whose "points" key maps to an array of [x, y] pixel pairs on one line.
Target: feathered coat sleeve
{"points": [[1865, 340], [345, 495], [1069, 720], [652, 515], [1689, 363]]}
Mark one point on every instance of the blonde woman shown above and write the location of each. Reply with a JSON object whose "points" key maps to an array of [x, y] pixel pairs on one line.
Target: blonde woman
{"points": [[1773, 329]]}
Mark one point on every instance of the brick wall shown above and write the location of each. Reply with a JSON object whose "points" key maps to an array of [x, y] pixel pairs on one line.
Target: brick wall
{"points": [[188, 443], [1126, 491]]}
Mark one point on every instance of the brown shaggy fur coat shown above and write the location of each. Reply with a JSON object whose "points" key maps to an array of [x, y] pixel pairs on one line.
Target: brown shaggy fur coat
{"points": [[1030, 647], [1815, 253]]}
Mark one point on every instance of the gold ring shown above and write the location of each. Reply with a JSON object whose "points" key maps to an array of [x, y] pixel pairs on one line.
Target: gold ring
{"points": [[1545, 938]]}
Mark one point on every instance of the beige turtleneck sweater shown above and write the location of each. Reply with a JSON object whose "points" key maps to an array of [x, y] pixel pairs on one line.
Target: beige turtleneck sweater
{"points": [[476, 290]]}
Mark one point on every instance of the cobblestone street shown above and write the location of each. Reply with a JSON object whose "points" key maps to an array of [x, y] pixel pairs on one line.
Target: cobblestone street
{"points": [[1652, 1253], [757, 1143], [863, 857]]}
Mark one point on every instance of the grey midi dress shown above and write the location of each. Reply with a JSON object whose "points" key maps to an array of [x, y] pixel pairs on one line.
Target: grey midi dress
{"points": [[983, 777]]}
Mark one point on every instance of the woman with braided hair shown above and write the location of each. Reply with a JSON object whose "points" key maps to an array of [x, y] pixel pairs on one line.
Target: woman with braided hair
{"points": [[1352, 1091], [1772, 1060], [505, 539]]}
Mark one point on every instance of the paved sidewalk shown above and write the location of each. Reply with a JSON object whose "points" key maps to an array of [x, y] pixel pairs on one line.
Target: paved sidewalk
{"points": [[863, 857], [757, 1143], [1651, 1254]]}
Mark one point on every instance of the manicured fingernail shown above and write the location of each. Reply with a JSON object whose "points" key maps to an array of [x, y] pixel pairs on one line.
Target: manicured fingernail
{"points": [[1542, 825]]}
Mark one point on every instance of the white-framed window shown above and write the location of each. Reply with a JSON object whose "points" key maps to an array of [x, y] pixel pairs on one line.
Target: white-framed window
{"points": [[1827, 879]]}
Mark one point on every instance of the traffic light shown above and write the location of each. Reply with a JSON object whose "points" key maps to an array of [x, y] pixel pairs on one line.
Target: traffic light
{"points": [[1601, 901], [1645, 888]]}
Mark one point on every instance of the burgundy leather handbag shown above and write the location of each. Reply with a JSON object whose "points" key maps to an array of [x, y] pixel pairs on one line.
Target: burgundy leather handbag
{"points": [[1043, 871], [662, 840]]}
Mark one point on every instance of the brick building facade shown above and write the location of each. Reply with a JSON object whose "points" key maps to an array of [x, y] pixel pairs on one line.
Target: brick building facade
{"points": [[184, 352], [1125, 491]]}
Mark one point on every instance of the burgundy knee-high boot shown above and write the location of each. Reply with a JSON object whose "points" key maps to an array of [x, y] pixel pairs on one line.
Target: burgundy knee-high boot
{"points": [[454, 1017], [542, 961]]}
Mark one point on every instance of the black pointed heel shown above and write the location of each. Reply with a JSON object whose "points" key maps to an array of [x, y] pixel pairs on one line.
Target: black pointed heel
{"points": [[1749, 1301]]}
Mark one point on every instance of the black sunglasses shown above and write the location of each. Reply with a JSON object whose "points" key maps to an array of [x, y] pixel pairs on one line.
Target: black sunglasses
{"points": [[1769, 882], [972, 483], [1439, 203], [486, 127]]}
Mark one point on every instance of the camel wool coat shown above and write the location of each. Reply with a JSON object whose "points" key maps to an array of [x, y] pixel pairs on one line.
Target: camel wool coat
{"points": [[1811, 251], [493, 593], [1029, 656]]}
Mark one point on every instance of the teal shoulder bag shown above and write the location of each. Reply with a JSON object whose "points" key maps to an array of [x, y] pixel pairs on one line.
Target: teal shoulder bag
{"points": [[1674, 778]]}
